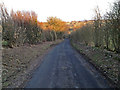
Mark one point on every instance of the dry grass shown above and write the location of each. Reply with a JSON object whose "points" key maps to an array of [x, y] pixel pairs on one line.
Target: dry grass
{"points": [[107, 62], [17, 60]]}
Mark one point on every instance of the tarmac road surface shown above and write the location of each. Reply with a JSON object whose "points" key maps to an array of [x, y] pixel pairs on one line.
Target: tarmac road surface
{"points": [[64, 67]]}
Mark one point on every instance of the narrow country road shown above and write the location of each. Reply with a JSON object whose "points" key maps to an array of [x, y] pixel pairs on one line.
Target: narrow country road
{"points": [[63, 67]]}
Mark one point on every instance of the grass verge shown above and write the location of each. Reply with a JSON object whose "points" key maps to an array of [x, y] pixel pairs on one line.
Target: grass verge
{"points": [[108, 63], [19, 62]]}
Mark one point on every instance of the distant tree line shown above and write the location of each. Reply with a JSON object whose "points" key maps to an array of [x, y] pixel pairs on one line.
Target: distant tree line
{"points": [[21, 27], [104, 32]]}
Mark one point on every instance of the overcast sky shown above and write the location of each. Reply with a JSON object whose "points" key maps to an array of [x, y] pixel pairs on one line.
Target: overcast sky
{"points": [[67, 10]]}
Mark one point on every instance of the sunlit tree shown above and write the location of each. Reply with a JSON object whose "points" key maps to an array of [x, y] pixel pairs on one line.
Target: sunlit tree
{"points": [[57, 26]]}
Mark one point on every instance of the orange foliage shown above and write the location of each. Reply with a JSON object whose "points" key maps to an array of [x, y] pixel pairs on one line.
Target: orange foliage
{"points": [[24, 17], [56, 24]]}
